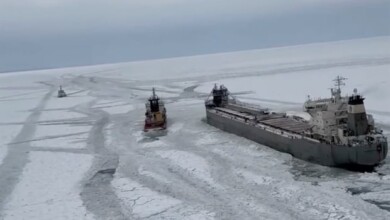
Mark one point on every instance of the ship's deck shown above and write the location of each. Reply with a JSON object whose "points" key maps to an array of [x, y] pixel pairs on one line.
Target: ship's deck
{"points": [[234, 113], [288, 124], [278, 120]]}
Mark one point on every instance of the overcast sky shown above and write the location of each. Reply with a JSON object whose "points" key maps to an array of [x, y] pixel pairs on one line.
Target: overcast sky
{"points": [[37, 34]]}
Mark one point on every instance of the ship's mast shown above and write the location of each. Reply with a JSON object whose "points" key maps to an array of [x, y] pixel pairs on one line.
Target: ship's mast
{"points": [[154, 102], [339, 82], [154, 93]]}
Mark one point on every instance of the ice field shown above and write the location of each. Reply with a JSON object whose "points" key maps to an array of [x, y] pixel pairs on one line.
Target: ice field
{"points": [[85, 156]]}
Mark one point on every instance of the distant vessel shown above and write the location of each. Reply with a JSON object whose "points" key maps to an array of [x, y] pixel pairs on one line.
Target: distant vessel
{"points": [[340, 133], [61, 93], [155, 115]]}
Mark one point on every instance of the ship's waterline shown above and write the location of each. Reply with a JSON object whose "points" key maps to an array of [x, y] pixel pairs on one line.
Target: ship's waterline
{"points": [[299, 146]]}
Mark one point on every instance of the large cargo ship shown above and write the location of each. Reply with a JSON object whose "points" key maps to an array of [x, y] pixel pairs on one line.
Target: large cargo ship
{"points": [[339, 133]]}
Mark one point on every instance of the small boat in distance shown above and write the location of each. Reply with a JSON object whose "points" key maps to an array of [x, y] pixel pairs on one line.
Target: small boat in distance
{"points": [[61, 93], [155, 115]]}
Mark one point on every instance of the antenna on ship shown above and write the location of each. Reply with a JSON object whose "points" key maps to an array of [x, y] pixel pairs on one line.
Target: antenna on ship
{"points": [[339, 82]]}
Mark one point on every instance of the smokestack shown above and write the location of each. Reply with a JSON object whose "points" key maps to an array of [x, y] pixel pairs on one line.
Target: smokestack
{"points": [[357, 117]]}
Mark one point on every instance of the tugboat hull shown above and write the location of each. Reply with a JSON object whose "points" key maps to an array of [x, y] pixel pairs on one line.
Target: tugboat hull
{"points": [[155, 127], [299, 146]]}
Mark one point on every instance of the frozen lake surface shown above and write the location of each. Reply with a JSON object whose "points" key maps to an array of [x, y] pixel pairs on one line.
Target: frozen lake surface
{"points": [[85, 156]]}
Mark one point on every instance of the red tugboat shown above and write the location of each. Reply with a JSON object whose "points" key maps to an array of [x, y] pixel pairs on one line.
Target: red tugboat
{"points": [[155, 115]]}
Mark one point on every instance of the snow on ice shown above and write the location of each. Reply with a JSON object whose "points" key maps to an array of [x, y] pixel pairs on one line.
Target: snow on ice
{"points": [[85, 156]]}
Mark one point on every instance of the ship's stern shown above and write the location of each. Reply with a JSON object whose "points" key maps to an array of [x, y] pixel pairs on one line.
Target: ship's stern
{"points": [[369, 154]]}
